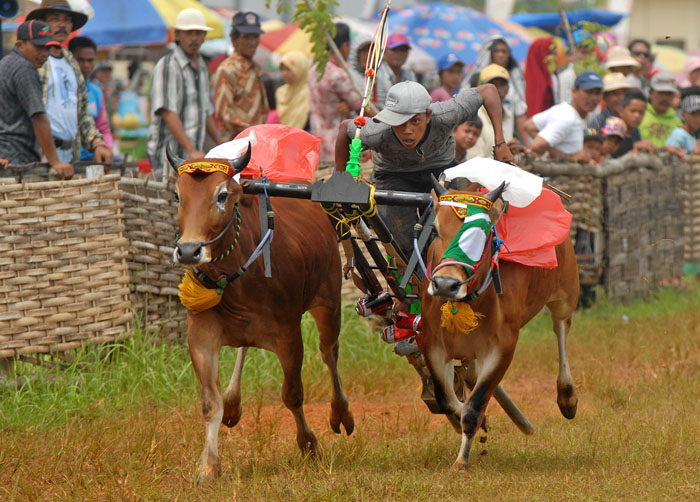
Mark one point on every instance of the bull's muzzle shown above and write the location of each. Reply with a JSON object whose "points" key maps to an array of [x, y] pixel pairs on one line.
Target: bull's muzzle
{"points": [[189, 253], [445, 286]]}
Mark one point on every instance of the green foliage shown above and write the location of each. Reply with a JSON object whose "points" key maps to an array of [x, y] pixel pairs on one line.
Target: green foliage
{"points": [[316, 18]]}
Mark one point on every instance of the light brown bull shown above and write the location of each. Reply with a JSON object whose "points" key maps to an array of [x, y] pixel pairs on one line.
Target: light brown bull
{"points": [[526, 290], [255, 311]]}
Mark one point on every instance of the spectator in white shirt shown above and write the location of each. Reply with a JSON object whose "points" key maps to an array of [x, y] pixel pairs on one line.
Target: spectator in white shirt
{"points": [[559, 130]]}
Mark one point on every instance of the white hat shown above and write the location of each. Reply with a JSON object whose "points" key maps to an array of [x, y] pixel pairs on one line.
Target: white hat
{"points": [[615, 81], [620, 56], [190, 20]]}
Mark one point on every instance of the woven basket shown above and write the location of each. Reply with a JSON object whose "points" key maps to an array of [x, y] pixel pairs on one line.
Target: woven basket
{"points": [[64, 281], [150, 218]]}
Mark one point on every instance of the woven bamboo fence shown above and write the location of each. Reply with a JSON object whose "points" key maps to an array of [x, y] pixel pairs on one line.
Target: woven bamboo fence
{"points": [[692, 211], [634, 208], [64, 280], [150, 219]]}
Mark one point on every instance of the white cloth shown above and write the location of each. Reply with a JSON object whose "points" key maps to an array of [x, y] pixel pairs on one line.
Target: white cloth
{"points": [[562, 127], [233, 149], [523, 187], [62, 99]]}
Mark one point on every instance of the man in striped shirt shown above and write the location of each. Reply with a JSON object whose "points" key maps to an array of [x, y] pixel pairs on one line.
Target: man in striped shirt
{"points": [[180, 100], [239, 95]]}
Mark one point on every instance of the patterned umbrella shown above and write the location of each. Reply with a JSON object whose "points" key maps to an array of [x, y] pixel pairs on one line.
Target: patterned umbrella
{"points": [[130, 22], [440, 29]]}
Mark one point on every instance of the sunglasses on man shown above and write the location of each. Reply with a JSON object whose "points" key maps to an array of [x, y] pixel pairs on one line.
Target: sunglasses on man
{"points": [[642, 53]]}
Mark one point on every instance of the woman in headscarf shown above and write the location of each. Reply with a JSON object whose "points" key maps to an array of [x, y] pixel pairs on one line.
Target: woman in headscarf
{"points": [[293, 97], [539, 90], [496, 50]]}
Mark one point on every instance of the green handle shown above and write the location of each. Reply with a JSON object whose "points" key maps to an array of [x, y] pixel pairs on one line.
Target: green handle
{"points": [[353, 165]]}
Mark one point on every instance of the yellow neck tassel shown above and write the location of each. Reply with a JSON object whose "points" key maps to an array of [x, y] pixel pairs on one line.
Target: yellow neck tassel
{"points": [[195, 297], [458, 317]]}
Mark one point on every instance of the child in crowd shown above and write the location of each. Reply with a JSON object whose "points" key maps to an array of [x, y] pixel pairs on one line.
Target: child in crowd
{"points": [[614, 131], [593, 143], [466, 135], [633, 108], [451, 72], [684, 135]]}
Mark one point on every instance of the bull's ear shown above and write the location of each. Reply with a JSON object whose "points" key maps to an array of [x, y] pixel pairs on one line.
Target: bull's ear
{"points": [[239, 164], [496, 193], [173, 159]]}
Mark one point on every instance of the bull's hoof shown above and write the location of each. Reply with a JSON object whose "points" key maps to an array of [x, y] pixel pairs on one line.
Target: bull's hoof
{"points": [[208, 473], [460, 466], [567, 401], [308, 445], [568, 411], [231, 420], [343, 417]]}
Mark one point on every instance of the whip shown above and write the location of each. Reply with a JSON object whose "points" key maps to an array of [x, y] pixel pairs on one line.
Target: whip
{"points": [[374, 59]]}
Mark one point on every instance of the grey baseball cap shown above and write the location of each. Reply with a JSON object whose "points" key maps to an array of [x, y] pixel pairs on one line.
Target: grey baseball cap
{"points": [[663, 82], [403, 101]]}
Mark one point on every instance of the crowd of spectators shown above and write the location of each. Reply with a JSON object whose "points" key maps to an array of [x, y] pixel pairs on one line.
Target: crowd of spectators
{"points": [[547, 109]]}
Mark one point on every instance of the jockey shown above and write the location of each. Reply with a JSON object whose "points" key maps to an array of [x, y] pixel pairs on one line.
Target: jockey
{"points": [[411, 138]]}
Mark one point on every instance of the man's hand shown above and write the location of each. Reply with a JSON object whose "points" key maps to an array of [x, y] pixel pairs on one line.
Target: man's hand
{"points": [[343, 109], [583, 157], [502, 153], [64, 169], [103, 154], [4, 163], [696, 150], [644, 146], [516, 147], [676, 150]]}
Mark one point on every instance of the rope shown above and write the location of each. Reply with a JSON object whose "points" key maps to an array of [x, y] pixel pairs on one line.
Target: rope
{"points": [[347, 221]]}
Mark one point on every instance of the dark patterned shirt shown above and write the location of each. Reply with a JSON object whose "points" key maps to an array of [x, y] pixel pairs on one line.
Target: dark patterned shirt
{"points": [[20, 99]]}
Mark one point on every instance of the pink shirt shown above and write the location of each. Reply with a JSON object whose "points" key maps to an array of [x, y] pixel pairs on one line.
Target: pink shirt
{"points": [[441, 94], [324, 96]]}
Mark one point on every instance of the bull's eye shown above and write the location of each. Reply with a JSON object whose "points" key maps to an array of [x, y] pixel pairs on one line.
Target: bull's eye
{"points": [[222, 197], [177, 198]]}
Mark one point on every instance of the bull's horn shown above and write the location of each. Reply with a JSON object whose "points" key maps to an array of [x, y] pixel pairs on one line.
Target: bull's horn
{"points": [[494, 194], [242, 161], [173, 159], [437, 186]]}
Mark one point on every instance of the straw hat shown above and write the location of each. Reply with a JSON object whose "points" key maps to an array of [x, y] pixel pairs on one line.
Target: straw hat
{"points": [[47, 6], [191, 20], [615, 81], [620, 56]]}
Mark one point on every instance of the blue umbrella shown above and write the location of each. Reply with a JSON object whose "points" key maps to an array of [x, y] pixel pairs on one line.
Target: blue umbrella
{"points": [[551, 21], [440, 29]]}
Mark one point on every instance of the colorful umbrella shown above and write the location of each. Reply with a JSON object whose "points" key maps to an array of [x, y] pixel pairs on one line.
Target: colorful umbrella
{"points": [[137, 22], [133, 22], [441, 29]]}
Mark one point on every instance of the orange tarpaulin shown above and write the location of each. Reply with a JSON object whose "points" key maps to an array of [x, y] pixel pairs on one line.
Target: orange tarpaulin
{"points": [[530, 233]]}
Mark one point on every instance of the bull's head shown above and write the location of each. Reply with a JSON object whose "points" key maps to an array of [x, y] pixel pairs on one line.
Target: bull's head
{"points": [[464, 221], [207, 198]]}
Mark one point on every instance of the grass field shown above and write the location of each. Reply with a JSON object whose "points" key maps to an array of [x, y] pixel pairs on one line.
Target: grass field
{"points": [[125, 423]]}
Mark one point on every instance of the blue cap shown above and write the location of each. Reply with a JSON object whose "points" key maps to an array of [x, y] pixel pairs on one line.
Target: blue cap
{"points": [[447, 61], [588, 80]]}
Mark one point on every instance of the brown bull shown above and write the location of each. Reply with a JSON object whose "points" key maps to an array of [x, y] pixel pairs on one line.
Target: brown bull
{"points": [[255, 311], [526, 290]]}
